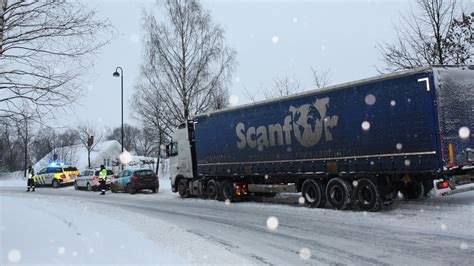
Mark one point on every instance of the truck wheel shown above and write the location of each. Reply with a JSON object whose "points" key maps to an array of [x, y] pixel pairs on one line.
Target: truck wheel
{"points": [[367, 195], [55, 183], [76, 187], [227, 191], [339, 194], [413, 190], [212, 190], [427, 186], [313, 194], [183, 190]]}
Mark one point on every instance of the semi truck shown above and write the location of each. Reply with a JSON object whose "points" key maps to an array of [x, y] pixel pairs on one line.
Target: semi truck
{"points": [[355, 145]]}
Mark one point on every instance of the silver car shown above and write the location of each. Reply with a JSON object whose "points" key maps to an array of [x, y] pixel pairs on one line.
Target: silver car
{"points": [[89, 179]]}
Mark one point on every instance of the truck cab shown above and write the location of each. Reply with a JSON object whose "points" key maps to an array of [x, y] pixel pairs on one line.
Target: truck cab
{"points": [[180, 153]]}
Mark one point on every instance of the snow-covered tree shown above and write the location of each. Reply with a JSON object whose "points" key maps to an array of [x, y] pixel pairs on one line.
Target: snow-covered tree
{"points": [[186, 65], [436, 33], [45, 47]]}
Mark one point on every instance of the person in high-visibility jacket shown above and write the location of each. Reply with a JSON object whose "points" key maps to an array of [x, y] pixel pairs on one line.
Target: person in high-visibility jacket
{"points": [[102, 179], [31, 183]]}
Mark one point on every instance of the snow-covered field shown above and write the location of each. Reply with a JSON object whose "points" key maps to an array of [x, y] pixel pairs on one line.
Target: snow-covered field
{"points": [[64, 226], [39, 229]]}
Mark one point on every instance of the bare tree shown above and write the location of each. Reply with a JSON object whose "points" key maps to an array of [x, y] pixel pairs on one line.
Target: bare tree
{"points": [[425, 37], [280, 87], [187, 64], [84, 133], [322, 78], [45, 47]]}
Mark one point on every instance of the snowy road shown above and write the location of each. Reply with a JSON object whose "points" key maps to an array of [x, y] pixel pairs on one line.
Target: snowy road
{"points": [[435, 231]]}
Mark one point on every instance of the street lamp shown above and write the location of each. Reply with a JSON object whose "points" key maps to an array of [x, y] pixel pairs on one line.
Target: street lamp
{"points": [[117, 74]]}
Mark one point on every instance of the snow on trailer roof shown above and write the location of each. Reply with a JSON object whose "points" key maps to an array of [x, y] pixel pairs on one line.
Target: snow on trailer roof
{"points": [[331, 88]]}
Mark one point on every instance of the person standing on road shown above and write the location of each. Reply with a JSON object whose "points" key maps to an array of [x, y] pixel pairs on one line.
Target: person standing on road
{"points": [[102, 179], [31, 183]]}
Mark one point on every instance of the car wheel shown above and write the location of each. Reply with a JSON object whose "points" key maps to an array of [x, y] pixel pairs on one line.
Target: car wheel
{"points": [[89, 187], [55, 183], [76, 187], [154, 190], [313, 194]]}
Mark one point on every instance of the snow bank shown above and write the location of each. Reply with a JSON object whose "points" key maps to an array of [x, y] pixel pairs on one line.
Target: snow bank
{"points": [[61, 234]]}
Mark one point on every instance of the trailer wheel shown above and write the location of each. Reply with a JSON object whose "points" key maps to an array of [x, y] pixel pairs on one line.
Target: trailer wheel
{"points": [[413, 190], [427, 186], [227, 191], [313, 194], [183, 190], [212, 190], [339, 194], [367, 195]]}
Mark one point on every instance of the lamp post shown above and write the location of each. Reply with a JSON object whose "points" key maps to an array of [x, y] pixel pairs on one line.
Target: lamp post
{"points": [[117, 74]]}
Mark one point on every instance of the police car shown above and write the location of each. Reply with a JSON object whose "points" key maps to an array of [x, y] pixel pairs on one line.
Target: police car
{"points": [[56, 175]]}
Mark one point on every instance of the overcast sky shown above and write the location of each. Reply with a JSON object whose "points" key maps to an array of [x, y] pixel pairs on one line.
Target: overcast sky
{"points": [[272, 38]]}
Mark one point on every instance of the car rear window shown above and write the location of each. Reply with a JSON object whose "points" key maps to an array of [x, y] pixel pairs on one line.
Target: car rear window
{"points": [[70, 169], [141, 173]]}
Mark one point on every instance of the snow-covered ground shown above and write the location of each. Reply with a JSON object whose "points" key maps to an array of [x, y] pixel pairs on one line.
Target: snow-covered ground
{"points": [[41, 229], [167, 229]]}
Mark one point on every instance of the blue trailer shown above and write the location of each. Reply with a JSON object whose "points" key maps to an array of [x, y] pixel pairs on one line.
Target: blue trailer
{"points": [[354, 144]]}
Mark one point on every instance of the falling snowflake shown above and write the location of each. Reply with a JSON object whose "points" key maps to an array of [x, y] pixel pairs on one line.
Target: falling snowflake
{"points": [[323, 47], [260, 148], [266, 176], [301, 200], [464, 132], [305, 253], [464, 246], [227, 202], [354, 183], [237, 79], [288, 149], [393, 103], [61, 250], [399, 146], [14, 256], [444, 227], [372, 162], [407, 162], [275, 39], [125, 157], [74, 254], [91, 250], [295, 20], [365, 125], [272, 223], [90, 87], [233, 100], [122, 246], [370, 99]]}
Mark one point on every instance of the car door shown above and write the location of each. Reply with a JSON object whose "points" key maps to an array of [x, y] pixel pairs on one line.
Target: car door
{"points": [[118, 181], [82, 178], [126, 177], [40, 176]]}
